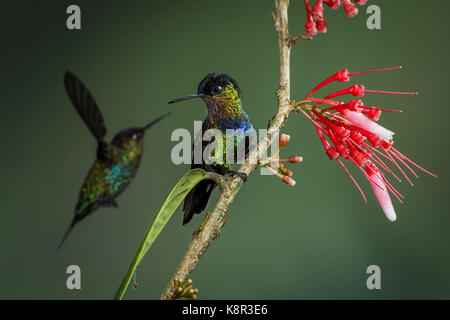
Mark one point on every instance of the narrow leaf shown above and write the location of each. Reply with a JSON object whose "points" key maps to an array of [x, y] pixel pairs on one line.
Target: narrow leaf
{"points": [[173, 200]]}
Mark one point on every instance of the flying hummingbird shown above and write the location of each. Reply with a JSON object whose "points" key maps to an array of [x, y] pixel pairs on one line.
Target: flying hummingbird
{"points": [[222, 97], [116, 163]]}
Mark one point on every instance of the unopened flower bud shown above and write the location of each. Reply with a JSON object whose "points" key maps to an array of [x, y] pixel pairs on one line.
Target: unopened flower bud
{"points": [[295, 159], [357, 137], [317, 10], [321, 26], [357, 90], [333, 4], [288, 180], [342, 75], [374, 140], [387, 144], [342, 132], [283, 140], [355, 105], [332, 153], [310, 28], [350, 9]]}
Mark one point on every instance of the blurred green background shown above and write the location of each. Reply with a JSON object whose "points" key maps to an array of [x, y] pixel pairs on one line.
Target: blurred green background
{"points": [[313, 241]]}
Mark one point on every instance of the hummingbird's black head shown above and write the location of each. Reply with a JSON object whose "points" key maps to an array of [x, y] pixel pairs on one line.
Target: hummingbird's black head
{"points": [[215, 83], [215, 86], [128, 137], [132, 137]]}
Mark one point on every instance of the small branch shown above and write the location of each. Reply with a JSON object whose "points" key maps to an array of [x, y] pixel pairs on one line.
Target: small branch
{"points": [[293, 40], [229, 189]]}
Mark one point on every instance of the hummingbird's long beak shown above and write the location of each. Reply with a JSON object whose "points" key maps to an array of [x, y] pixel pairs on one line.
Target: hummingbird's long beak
{"points": [[192, 96], [156, 120]]}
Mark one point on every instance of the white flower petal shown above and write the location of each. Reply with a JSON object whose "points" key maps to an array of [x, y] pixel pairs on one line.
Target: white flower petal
{"points": [[360, 120], [382, 195]]}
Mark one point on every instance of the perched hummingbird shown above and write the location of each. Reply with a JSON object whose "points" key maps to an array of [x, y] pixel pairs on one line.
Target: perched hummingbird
{"points": [[117, 162], [222, 97]]}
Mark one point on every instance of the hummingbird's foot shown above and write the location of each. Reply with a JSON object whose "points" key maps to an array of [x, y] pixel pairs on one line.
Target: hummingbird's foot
{"points": [[184, 289], [242, 175], [197, 231]]}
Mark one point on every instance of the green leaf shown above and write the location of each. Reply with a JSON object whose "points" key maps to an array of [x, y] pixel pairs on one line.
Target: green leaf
{"points": [[173, 200]]}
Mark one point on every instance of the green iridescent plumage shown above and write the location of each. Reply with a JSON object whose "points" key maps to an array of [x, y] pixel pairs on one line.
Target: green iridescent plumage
{"points": [[107, 179], [116, 163], [222, 97]]}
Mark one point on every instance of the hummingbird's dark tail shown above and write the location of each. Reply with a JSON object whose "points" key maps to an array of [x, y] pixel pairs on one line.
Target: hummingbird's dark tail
{"points": [[197, 199], [156, 120]]}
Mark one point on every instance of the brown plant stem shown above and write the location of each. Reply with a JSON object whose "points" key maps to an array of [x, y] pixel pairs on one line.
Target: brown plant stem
{"points": [[212, 228]]}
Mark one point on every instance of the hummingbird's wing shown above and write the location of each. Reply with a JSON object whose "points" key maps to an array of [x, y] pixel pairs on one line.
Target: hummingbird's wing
{"points": [[104, 152], [85, 105]]}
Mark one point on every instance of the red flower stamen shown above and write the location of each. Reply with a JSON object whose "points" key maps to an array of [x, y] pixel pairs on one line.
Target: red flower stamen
{"points": [[404, 163], [376, 159], [376, 70], [398, 167], [348, 130], [371, 180], [353, 179], [357, 90], [414, 164], [394, 191], [390, 92], [340, 75]]}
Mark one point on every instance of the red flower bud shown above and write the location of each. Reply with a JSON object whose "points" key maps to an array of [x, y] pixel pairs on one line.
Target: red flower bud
{"points": [[350, 9], [357, 137], [321, 26], [357, 90], [374, 113], [360, 158], [295, 159], [342, 132], [317, 10], [355, 105], [387, 144], [283, 140], [374, 139], [333, 4], [342, 75], [332, 153], [310, 28]]}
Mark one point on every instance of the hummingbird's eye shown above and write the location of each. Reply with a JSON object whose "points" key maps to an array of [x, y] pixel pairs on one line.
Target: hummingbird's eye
{"points": [[216, 90]]}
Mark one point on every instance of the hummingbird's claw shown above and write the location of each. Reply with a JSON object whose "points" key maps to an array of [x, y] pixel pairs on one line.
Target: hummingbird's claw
{"points": [[184, 289], [242, 175]]}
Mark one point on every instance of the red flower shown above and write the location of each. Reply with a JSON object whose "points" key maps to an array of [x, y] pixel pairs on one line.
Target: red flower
{"points": [[315, 21], [349, 131]]}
